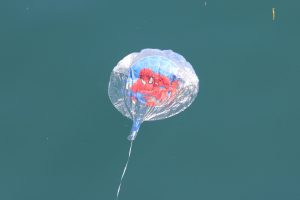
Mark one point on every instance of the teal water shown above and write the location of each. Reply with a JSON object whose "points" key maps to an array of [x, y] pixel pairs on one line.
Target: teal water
{"points": [[61, 138]]}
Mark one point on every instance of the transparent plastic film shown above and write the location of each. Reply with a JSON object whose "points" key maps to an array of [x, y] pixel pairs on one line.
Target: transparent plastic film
{"points": [[152, 85]]}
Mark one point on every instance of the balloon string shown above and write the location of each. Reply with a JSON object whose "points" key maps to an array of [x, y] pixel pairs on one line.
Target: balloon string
{"points": [[124, 170]]}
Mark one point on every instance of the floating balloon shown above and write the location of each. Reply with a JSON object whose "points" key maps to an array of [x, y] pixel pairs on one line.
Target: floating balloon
{"points": [[151, 85]]}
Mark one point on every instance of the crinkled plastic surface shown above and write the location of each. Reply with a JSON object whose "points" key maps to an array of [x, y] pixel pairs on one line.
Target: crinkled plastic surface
{"points": [[152, 85]]}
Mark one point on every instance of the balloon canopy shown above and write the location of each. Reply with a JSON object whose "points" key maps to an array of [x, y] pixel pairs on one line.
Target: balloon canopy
{"points": [[152, 85]]}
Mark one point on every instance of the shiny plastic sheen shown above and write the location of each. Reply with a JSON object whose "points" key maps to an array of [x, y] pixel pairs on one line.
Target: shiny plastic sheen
{"points": [[152, 85]]}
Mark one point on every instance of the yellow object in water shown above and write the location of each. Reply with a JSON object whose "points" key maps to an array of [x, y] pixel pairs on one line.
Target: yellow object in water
{"points": [[273, 14]]}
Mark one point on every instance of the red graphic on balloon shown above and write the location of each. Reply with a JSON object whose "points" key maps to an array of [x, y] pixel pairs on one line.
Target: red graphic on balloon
{"points": [[154, 87]]}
